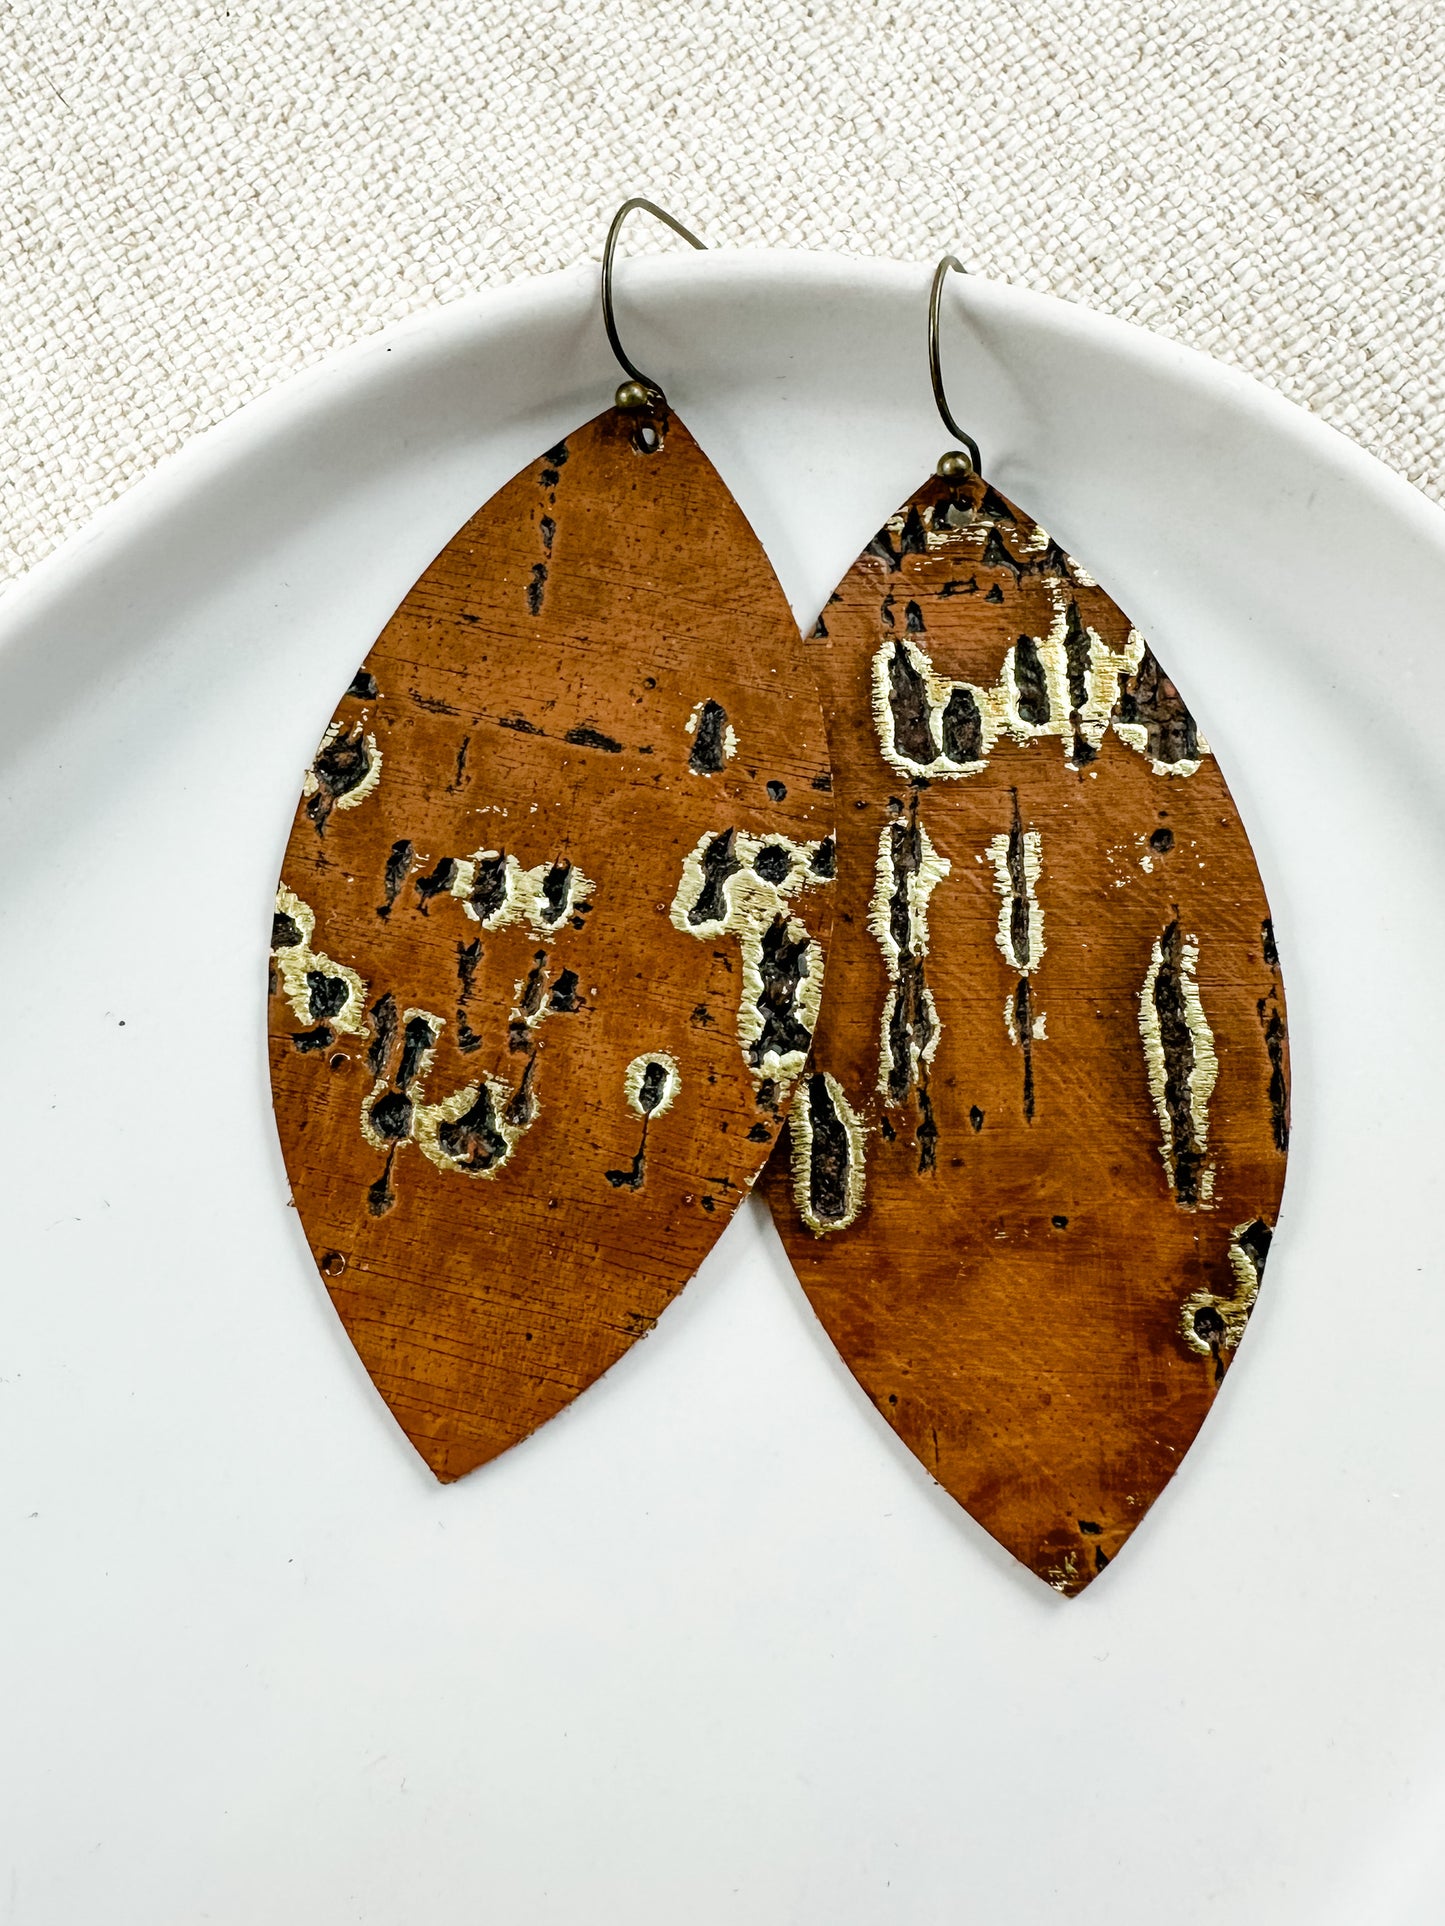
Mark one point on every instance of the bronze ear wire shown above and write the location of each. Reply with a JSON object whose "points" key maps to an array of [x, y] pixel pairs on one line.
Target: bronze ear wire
{"points": [[640, 390], [953, 465]]}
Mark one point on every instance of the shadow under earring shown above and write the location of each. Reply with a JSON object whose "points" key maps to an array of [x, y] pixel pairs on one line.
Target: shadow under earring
{"points": [[1035, 1165], [547, 948]]}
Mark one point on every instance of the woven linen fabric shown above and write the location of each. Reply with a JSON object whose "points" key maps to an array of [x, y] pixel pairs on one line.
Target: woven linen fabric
{"points": [[199, 200]]}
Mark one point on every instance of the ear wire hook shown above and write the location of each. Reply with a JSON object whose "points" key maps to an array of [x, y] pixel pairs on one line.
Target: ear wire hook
{"points": [[640, 391], [953, 466]]}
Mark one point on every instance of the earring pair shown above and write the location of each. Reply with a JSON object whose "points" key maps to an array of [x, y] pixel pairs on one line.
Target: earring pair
{"points": [[548, 977]]}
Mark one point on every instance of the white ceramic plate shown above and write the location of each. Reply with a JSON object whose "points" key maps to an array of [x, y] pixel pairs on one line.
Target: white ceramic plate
{"points": [[710, 1647]]}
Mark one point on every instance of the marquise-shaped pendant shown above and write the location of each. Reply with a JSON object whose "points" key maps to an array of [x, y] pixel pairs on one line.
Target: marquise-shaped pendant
{"points": [[548, 942], [1036, 1161]]}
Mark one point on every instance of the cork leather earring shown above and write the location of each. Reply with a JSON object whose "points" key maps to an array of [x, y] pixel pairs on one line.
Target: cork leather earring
{"points": [[1035, 1166], [547, 947]]}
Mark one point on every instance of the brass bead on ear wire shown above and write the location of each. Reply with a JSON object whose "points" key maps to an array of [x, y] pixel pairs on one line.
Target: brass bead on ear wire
{"points": [[955, 466], [633, 395]]}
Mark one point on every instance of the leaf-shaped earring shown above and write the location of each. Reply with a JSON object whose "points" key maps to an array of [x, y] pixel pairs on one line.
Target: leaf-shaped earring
{"points": [[547, 948], [1035, 1164]]}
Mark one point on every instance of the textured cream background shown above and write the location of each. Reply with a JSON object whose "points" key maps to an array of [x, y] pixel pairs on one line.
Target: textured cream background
{"points": [[198, 200]]}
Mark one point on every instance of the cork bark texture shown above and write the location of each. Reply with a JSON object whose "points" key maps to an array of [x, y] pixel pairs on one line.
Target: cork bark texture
{"points": [[1035, 1164], [549, 937]]}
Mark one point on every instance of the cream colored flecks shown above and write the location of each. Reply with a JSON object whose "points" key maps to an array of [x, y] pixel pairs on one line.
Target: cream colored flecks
{"points": [[959, 528], [530, 1004], [299, 963], [476, 1129], [313, 783], [1017, 861], [829, 1149], [1180, 1063], [929, 726], [1137, 738], [734, 884], [966, 529], [495, 891], [907, 871], [1038, 1025], [1064, 1576], [650, 1083], [473, 1130], [1210, 1323], [729, 742]]}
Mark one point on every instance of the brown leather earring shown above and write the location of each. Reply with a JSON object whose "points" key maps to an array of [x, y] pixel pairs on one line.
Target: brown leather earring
{"points": [[548, 941], [1036, 1162]]}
